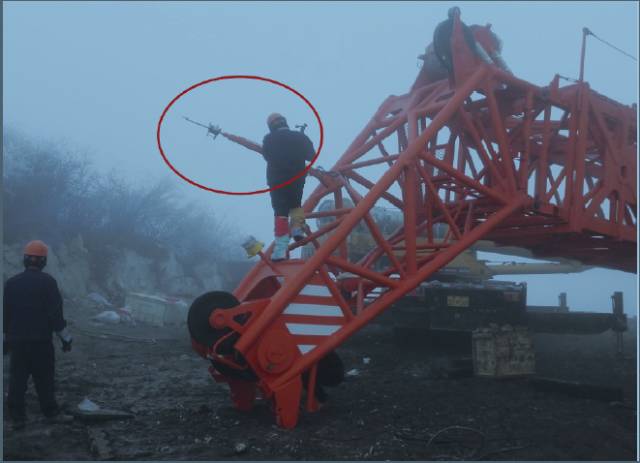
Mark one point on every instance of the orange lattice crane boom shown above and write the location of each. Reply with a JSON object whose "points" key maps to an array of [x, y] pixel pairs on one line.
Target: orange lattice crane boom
{"points": [[486, 154]]}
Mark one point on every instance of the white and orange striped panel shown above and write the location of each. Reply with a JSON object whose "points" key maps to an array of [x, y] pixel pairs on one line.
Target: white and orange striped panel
{"points": [[312, 316]]}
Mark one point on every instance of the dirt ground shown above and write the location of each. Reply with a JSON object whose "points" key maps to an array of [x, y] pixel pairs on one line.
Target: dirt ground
{"points": [[402, 405]]}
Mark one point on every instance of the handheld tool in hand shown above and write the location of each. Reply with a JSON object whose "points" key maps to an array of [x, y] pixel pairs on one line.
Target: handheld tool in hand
{"points": [[213, 130]]}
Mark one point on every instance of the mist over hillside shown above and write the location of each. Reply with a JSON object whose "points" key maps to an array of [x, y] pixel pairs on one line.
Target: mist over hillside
{"points": [[107, 234]]}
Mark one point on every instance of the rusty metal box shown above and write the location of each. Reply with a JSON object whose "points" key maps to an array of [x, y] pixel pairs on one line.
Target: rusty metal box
{"points": [[503, 351]]}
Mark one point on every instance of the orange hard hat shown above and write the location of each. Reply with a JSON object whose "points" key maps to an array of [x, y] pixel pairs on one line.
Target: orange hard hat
{"points": [[274, 117], [36, 248]]}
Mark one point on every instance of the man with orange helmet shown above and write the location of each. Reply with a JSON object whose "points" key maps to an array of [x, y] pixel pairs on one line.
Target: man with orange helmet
{"points": [[286, 152], [32, 312]]}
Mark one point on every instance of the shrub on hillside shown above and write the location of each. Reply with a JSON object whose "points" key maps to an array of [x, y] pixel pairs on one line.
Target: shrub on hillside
{"points": [[54, 194]]}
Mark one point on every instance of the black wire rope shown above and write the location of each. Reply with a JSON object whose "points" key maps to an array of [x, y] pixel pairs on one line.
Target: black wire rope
{"points": [[589, 32]]}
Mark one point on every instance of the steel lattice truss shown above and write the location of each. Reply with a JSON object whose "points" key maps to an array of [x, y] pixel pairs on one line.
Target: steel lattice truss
{"points": [[488, 157]]}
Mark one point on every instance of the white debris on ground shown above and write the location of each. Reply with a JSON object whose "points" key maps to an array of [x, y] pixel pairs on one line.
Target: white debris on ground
{"points": [[99, 299], [108, 316], [88, 406], [240, 447], [126, 316]]}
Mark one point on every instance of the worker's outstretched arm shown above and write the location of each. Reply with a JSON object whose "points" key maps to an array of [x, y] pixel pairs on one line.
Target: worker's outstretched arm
{"points": [[253, 146]]}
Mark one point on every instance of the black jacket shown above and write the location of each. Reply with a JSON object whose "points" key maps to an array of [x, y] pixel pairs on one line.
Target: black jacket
{"points": [[32, 307], [286, 152], [442, 41]]}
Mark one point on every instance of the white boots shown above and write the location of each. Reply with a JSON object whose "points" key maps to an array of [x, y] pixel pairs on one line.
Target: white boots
{"points": [[280, 248], [286, 227], [281, 243]]}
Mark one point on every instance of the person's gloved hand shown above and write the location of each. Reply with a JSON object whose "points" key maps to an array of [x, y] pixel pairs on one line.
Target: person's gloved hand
{"points": [[66, 339], [66, 345]]}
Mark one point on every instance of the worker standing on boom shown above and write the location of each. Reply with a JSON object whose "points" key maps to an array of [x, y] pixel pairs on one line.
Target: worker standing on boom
{"points": [[286, 152], [32, 312]]}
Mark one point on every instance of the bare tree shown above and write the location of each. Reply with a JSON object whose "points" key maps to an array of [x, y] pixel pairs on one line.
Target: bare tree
{"points": [[54, 194]]}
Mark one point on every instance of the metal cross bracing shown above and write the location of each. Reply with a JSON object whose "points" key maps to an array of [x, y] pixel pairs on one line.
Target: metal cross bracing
{"points": [[486, 156]]}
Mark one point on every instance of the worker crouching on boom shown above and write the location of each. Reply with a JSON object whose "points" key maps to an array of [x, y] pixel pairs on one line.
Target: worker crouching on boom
{"points": [[481, 40], [286, 152]]}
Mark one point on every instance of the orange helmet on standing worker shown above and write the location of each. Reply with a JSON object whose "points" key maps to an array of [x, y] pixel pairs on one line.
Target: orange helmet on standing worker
{"points": [[35, 254], [36, 248]]}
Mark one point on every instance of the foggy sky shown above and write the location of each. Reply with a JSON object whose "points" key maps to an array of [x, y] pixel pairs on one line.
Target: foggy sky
{"points": [[98, 75]]}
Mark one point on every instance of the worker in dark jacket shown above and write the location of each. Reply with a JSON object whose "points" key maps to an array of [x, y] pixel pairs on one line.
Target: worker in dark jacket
{"points": [[32, 312], [442, 39], [487, 45], [442, 42], [286, 152]]}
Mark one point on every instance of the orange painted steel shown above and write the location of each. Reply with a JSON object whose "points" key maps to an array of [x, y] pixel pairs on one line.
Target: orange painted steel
{"points": [[486, 155]]}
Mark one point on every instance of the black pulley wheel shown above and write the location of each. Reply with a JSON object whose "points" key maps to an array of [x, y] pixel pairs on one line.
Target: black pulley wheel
{"points": [[199, 312]]}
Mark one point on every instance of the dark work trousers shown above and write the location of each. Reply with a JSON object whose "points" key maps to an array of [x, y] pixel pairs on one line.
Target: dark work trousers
{"points": [[35, 359], [286, 198]]}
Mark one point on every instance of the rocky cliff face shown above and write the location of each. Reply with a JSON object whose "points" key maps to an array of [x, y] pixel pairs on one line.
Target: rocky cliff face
{"points": [[68, 264], [71, 265]]}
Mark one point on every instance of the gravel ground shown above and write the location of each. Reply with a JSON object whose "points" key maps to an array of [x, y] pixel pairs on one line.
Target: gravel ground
{"points": [[402, 405]]}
